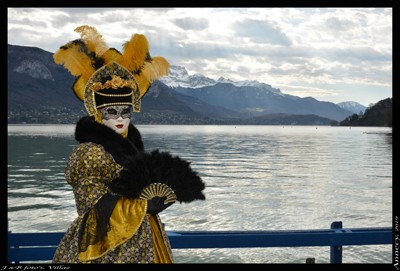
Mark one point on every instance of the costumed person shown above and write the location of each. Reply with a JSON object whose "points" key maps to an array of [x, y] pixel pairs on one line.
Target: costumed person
{"points": [[119, 187]]}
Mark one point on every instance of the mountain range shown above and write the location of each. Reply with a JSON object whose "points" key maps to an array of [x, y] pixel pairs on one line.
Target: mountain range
{"points": [[39, 91]]}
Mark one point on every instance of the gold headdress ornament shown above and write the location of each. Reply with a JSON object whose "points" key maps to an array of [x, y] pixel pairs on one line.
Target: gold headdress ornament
{"points": [[107, 76]]}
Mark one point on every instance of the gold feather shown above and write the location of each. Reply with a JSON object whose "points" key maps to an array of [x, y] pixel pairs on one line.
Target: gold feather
{"points": [[73, 59], [151, 71], [111, 55], [134, 52], [155, 68], [77, 63], [94, 41], [144, 85], [79, 87]]}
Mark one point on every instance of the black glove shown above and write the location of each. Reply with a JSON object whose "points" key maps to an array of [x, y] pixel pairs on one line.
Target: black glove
{"points": [[156, 205]]}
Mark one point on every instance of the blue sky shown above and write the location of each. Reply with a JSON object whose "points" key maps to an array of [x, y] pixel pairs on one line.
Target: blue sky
{"points": [[331, 54]]}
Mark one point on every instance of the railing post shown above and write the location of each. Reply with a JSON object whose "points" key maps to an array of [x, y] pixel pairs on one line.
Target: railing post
{"points": [[336, 251]]}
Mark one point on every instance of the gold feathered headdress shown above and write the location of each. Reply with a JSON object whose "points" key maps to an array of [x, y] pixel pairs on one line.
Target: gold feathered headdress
{"points": [[107, 76]]}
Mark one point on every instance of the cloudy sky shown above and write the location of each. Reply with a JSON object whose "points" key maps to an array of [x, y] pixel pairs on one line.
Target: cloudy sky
{"points": [[336, 55]]}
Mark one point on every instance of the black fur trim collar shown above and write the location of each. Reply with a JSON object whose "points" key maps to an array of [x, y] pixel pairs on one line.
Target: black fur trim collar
{"points": [[122, 149]]}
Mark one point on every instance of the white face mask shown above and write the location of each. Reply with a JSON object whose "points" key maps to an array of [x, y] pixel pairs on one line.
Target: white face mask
{"points": [[116, 117]]}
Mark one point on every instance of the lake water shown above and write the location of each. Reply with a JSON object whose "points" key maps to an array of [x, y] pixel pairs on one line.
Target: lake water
{"points": [[257, 178]]}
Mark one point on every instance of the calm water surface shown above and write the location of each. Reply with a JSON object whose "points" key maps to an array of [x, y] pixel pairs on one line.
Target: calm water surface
{"points": [[257, 178]]}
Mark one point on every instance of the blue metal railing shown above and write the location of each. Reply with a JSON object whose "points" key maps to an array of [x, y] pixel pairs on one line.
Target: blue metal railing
{"points": [[33, 247]]}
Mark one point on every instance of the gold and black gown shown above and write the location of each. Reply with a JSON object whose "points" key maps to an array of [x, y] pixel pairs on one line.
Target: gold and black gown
{"points": [[124, 232]]}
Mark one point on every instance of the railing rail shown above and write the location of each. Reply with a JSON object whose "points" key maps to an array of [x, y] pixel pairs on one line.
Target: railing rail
{"points": [[33, 247]]}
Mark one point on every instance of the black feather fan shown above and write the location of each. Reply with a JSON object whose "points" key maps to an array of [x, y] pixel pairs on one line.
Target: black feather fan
{"points": [[159, 167]]}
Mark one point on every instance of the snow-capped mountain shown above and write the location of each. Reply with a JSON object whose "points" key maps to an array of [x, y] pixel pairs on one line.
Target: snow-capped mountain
{"points": [[351, 106], [179, 77], [250, 98]]}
